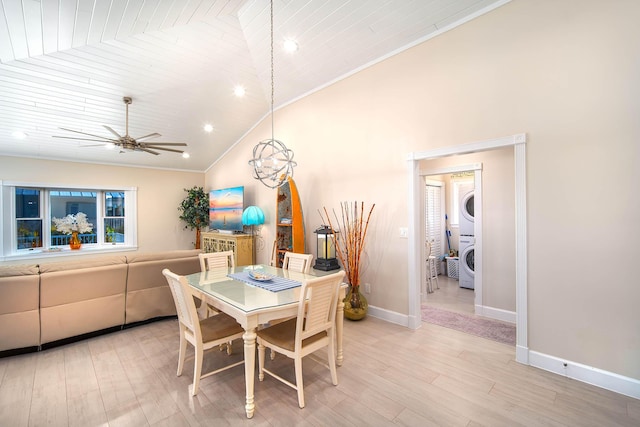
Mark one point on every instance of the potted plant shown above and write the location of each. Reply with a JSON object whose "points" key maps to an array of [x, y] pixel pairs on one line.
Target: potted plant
{"points": [[349, 247], [195, 211]]}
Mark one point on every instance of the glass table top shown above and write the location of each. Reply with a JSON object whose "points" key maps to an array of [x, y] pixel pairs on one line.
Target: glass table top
{"points": [[247, 297]]}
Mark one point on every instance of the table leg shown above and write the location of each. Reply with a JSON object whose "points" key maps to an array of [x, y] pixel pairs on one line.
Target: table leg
{"points": [[249, 337], [339, 328]]}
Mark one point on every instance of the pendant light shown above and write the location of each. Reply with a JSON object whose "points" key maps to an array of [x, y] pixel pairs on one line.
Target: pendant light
{"points": [[272, 161]]}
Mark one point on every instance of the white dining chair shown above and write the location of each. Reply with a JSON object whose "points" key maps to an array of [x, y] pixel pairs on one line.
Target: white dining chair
{"points": [[297, 262], [300, 263], [201, 334], [211, 260], [312, 329]]}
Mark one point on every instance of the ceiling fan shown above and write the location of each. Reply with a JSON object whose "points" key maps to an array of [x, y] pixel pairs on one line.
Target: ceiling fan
{"points": [[127, 142]]}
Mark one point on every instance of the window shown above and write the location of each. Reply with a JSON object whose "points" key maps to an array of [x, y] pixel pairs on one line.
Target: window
{"points": [[433, 218], [114, 219], [28, 218], [66, 202], [28, 210]]}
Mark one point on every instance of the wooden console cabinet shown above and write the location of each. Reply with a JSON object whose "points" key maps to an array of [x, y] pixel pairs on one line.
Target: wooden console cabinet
{"points": [[240, 244]]}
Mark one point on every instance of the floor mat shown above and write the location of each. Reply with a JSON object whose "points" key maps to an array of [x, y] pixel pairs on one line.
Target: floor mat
{"points": [[480, 326]]}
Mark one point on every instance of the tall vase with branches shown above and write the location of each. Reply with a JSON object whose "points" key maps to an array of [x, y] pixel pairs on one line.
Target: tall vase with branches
{"points": [[353, 227], [195, 211]]}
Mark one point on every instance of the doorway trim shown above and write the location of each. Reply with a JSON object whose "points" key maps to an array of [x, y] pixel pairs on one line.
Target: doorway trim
{"points": [[518, 142]]}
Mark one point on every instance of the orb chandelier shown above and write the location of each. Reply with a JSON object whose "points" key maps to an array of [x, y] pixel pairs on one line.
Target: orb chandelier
{"points": [[272, 161]]}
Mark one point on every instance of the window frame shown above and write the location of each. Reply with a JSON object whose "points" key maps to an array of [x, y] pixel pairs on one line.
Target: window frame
{"points": [[8, 222]]}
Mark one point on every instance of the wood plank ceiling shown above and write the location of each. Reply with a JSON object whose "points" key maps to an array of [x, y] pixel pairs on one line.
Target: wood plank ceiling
{"points": [[68, 63]]}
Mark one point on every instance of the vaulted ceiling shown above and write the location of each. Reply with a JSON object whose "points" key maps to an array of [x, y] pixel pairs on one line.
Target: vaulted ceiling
{"points": [[69, 63]]}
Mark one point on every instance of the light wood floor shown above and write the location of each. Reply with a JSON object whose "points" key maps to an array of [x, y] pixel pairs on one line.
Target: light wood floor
{"points": [[451, 296], [391, 376]]}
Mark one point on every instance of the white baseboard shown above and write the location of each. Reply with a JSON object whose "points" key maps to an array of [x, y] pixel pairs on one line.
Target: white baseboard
{"points": [[522, 355], [496, 313], [389, 316], [587, 374]]}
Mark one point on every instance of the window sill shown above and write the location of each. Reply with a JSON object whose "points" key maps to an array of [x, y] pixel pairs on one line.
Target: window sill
{"points": [[66, 252]]}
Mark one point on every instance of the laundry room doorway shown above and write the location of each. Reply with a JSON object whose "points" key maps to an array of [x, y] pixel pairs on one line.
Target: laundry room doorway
{"points": [[454, 220], [512, 254]]}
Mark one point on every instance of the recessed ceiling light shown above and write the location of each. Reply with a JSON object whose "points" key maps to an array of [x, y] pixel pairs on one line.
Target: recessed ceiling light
{"points": [[290, 45], [208, 128], [185, 155], [19, 134], [239, 91]]}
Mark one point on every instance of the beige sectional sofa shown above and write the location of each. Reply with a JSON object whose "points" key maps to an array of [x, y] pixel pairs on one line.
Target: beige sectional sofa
{"points": [[47, 302]]}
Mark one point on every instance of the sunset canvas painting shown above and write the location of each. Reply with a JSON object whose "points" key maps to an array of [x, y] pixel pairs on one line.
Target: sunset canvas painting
{"points": [[225, 209]]}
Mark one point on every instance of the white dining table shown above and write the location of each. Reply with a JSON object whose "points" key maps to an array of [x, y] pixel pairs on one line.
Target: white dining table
{"points": [[252, 306]]}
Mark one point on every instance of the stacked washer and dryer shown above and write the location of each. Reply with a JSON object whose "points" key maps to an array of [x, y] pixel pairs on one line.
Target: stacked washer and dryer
{"points": [[466, 275]]}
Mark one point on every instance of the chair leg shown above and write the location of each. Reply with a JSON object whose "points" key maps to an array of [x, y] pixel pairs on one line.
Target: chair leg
{"points": [[299, 385], [197, 369], [331, 357], [261, 351], [182, 352], [435, 272]]}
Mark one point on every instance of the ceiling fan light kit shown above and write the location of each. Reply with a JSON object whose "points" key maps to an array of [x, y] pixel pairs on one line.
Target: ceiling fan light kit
{"points": [[127, 142]]}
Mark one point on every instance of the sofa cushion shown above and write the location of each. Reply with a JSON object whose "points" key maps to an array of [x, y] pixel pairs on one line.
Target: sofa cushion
{"points": [[19, 306], [18, 270], [144, 257], [19, 288], [79, 265], [81, 296], [148, 293]]}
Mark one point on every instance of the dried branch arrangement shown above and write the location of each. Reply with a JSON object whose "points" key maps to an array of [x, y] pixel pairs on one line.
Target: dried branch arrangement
{"points": [[350, 243]]}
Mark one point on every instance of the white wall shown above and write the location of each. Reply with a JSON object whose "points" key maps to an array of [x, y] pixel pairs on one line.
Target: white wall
{"points": [[566, 73]]}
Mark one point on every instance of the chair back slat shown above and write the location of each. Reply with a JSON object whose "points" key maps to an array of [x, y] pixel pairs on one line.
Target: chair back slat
{"points": [[317, 306], [212, 260], [183, 299], [297, 262]]}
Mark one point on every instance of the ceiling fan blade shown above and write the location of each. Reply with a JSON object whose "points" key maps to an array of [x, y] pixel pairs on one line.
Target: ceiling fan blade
{"points": [[164, 149], [177, 144], [151, 135], [84, 133], [147, 150], [112, 131], [107, 140]]}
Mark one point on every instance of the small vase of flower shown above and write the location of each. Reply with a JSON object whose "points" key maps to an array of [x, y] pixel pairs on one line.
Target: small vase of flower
{"points": [[73, 225]]}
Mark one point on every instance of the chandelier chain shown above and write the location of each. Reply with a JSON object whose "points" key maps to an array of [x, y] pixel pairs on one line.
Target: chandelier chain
{"points": [[272, 79]]}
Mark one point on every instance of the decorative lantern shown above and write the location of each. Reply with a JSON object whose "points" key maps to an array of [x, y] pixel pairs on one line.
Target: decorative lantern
{"points": [[326, 259]]}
